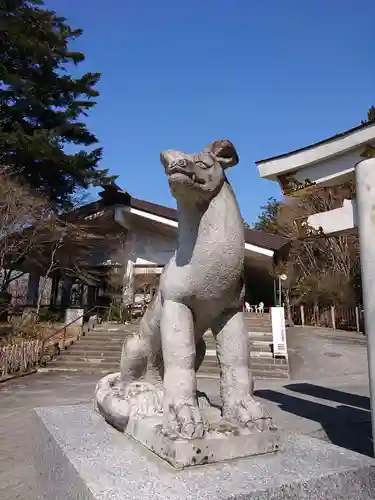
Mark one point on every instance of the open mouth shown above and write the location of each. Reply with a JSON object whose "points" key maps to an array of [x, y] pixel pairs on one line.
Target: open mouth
{"points": [[176, 172]]}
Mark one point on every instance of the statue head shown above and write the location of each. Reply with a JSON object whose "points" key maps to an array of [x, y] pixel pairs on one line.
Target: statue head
{"points": [[199, 177]]}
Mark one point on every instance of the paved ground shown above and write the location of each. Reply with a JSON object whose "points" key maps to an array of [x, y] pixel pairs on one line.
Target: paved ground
{"points": [[327, 397]]}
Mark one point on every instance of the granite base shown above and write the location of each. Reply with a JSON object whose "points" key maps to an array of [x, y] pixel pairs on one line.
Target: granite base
{"points": [[79, 456], [222, 441]]}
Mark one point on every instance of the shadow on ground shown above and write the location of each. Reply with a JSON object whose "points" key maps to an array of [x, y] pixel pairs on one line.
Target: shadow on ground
{"points": [[347, 424]]}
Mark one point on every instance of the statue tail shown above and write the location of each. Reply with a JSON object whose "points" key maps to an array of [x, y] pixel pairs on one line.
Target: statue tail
{"points": [[111, 406], [109, 392]]}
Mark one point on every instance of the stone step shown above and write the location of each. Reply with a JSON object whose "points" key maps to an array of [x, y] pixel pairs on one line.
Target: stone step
{"points": [[257, 319], [261, 340], [102, 370], [95, 347], [114, 361], [104, 339], [259, 329], [104, 354], [259, 348], [256, 324], [114, 331], [92, 343], [109, 335], [256, 329], [102, 342], [257, 373], [254, 351], [257, 315], [110, 356], [95, 337], [99, 351], [254, 362]]}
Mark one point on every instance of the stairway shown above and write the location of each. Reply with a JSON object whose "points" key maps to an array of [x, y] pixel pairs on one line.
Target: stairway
{"points": [[99, 351]]}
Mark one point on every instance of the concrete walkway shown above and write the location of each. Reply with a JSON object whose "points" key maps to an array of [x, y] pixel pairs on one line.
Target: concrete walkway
{"points": [[327, 397]]}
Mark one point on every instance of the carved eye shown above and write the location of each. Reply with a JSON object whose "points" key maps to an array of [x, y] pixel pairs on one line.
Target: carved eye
{"points": [[182, 162], [200, 164]]}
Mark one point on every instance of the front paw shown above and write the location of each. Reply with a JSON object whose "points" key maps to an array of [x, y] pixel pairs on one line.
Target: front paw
{"points": [[182, 419], [248, 413]]}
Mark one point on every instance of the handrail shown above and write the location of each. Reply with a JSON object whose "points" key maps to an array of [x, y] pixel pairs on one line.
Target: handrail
{"points": [[69, 324], [44, 341]]}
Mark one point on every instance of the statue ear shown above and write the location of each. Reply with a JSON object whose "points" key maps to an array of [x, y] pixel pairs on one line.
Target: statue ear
{"points": [[224, 152]]}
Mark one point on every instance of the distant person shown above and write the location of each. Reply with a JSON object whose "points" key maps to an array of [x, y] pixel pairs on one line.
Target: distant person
{"points": [[247, 307]]}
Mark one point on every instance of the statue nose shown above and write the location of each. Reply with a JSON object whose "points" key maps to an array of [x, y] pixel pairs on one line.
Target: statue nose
{"points": [[170, 157], [167, 158]]}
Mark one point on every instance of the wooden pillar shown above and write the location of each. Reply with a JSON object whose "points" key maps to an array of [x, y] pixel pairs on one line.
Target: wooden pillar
{"points": [[66, 293], [54, 290], [33, 288], [91, 296]]}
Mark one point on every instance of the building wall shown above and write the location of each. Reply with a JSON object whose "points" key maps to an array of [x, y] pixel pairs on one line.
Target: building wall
{"points": [[153, 248]]}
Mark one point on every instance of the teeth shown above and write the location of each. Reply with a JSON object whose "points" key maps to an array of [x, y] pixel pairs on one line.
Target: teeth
{"points": [[193, 177]]}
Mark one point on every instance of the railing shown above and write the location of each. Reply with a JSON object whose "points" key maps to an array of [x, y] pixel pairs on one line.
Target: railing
{"points": [[46, 342], [63, 331], [21, 357], [336, 317]]}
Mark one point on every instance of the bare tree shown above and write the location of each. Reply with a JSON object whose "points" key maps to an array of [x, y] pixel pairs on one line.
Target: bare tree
{"points": [[23, 216], [34, 237], [319, 269]]}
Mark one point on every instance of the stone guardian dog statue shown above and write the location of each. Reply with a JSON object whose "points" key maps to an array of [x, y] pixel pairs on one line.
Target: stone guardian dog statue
{"points": [[201, 287]]}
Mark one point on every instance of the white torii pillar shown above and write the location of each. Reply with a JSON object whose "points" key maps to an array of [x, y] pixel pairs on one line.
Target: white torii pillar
{"points": [[359, 213], [365, 187]]}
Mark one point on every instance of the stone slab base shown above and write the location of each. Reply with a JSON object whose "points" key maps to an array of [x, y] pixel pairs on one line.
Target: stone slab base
{"points": [[79, 456], [222, 441]]}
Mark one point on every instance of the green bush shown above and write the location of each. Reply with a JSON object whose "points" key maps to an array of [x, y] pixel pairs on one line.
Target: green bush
{"points": [[116, 312], [47, 315]]}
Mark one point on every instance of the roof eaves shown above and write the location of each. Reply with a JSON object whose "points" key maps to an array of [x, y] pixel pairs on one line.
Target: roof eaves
{"points": [[311, 146]]}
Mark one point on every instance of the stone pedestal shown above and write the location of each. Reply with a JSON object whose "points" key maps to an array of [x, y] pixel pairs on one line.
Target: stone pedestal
{"points": [[79, 456], [222, 441]]}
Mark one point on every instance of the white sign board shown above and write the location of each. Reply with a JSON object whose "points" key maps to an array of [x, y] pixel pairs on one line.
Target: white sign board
{"points": [[74, 317], [278, 331]]}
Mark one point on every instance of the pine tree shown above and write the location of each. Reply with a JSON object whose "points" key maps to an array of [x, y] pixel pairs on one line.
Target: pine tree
{"points": [[371, 114], [42, 105], [267, 220]]}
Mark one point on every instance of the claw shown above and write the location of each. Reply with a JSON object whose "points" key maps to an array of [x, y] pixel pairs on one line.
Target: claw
{"points": [[249, 413], [183, 420]]}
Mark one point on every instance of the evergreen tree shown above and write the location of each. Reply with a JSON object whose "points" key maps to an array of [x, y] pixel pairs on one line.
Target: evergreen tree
{"points": [[42, 104], [371, 114], [267, 220]]}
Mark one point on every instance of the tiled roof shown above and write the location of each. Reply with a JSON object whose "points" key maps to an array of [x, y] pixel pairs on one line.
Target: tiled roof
{"points": [[113, 195]]}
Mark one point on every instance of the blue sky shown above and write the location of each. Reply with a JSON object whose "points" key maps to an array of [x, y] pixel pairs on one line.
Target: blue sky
{"points": [[270, 75]]}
